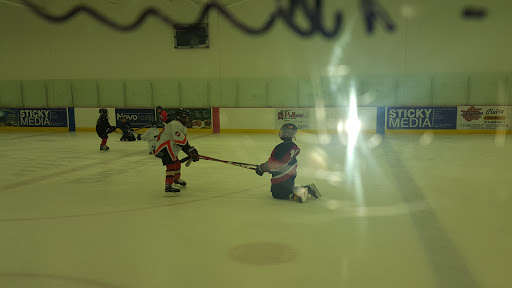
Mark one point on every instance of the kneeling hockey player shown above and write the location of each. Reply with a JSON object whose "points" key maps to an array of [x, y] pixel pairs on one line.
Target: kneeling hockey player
{"points": [[170, 141], [282, 164], [103, 127], [127, 130]]}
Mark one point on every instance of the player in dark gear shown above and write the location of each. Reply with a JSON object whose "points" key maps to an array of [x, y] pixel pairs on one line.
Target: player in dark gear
{"points": [[282, 164], [127, 131], [161, 117], [183, 116], [103, 128], [287, 132]]}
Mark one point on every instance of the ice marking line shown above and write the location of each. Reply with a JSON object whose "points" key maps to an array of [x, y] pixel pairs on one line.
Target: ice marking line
{"points": [[447, 263]]}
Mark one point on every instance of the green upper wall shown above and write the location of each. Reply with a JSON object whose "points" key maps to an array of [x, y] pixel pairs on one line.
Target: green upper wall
{"points": [[435, 57], [417, 90]]}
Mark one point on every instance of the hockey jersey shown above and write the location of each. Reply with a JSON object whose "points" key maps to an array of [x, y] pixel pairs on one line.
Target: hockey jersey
{"points": [[150, 136], [103, 127], [282, 163], [125, 127], [172, 137]]}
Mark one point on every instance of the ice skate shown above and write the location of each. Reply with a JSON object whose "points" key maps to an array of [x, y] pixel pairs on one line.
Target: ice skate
{"points": [[171, 191], [180, 182], [104, 147], [313, 191], [300, 194]]}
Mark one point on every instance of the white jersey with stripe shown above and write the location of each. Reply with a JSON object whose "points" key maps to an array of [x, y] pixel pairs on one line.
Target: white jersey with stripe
{"points": [[150, 136], [171, 137]]}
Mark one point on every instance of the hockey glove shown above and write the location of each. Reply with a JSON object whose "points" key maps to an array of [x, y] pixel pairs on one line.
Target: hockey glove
{"points": [[111, 129], [192, 152], [259, 171], [139, 137]]}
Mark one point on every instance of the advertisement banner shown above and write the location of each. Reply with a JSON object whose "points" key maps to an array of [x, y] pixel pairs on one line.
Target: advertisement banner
{"points": [[137, 117], [421, 118], [484, 117], [43, 117], [200, 118], [9, 117], [297, 116]]}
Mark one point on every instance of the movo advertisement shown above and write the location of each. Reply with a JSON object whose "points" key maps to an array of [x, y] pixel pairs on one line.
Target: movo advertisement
{"points": [[137, 117], [421, 118]]}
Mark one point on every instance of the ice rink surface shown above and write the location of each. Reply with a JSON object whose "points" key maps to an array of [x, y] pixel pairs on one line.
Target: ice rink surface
{"points": [[405, 211]]}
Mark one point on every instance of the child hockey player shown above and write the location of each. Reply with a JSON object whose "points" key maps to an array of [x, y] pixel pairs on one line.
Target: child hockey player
{"points": [[282, 164], [169, 142], [150, 136], [161, 116], [127, 131], [103, 127]]}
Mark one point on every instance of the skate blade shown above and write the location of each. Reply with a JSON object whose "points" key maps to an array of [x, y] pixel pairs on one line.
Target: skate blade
{"points": [[172, 194], [317, 193]]}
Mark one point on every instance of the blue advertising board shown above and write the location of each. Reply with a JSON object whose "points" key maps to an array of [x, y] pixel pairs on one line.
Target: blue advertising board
{"points": [[137, 117], [9, 117], [421, 118], [43, 117]]}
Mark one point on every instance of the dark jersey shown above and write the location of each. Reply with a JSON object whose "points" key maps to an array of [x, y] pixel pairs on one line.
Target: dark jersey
{"points": [[102, 126], [125, 127], [282, 163]]}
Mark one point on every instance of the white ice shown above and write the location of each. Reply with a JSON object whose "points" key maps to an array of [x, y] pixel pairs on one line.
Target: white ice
{"points": [[401, 211]]}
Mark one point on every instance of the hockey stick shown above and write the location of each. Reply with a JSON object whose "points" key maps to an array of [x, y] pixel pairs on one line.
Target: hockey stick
{"points": [[134, 129], [140, 128], [186, 159], [239, 164]]}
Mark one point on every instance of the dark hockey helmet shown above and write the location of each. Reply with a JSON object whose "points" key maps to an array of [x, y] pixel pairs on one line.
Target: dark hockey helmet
{"points": [[287, 131], [183, 116], [159, 108], [103, 111]]}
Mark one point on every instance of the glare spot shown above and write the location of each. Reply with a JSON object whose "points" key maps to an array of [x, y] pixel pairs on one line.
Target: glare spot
{"points": [[375, 141], [324, 139], [353, 126], [407, 11], [499, 140], [318, 156], [426, 138], [340, 127], [338, 70], [366, 98], [333, 204], [343, 138]]}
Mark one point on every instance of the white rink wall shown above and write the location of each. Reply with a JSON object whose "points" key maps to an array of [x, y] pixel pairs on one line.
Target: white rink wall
{"points": [[320, 118], [256, 119], [87, 117], [247, 118]]}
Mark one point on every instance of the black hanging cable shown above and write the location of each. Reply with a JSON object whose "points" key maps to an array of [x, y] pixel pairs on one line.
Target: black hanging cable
{"points": [[313, 14]]}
